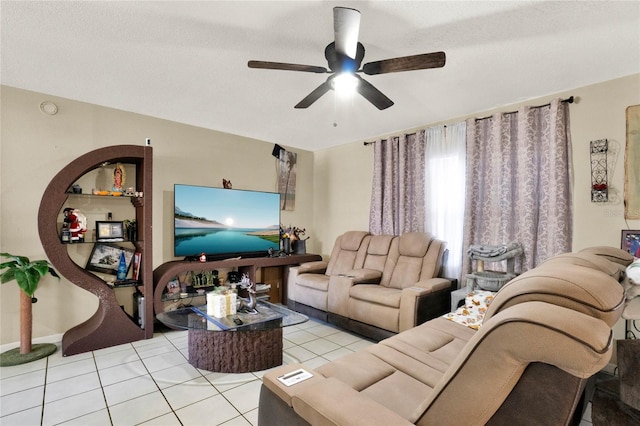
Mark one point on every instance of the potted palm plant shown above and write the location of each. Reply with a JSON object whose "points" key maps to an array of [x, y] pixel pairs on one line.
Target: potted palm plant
{"points": [[27, 274]]}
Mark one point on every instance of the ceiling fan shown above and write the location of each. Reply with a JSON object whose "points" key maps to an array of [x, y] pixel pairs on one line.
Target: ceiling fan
{"points": [[344, 57]]}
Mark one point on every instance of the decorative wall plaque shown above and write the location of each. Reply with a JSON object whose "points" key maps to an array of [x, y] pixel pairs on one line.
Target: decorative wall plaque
{"points": [[632, 165]]}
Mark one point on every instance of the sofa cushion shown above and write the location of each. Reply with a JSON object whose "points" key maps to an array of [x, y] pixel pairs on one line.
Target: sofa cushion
{"points": [[359, 369], [414, 244], [351, 240], [441, 339], [610, 253], [419, 256], [348, 252], [378, 252], [406, 272], [376, 294], [374, 314], [388, 376], [576, 287], [317, 406], [314, 281], [380, 244], [589, 260]]}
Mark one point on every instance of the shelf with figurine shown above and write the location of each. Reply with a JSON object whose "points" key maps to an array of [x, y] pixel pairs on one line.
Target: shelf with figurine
{"points": [[74, 229]]}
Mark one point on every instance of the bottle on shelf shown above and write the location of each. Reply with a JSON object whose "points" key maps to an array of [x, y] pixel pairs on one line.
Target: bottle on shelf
{"points": [[122, 268]]}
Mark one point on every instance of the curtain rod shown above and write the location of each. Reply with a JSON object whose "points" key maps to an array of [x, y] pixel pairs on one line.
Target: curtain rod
{"points": [[569, 100], [372, 142]]}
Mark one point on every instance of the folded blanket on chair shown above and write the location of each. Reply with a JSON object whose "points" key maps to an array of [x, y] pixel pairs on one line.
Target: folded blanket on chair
{"points": [[485, 250]]}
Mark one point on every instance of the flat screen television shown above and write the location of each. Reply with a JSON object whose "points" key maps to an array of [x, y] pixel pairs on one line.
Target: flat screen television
{"points": [[224, 223]]}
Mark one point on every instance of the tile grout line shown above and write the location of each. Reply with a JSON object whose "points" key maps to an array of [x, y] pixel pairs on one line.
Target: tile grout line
{"points": [[44, 390], [156, 383], [104, 395]]}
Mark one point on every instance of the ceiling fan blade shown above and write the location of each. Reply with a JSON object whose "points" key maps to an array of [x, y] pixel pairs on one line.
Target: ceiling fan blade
{"points": [[314, 96], [373, 95], [286, 67], [406, 63], [346, 26]]}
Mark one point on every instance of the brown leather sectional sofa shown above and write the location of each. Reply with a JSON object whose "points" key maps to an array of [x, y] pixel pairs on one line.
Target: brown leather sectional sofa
{"points": [[375, 285], [545, 333]]}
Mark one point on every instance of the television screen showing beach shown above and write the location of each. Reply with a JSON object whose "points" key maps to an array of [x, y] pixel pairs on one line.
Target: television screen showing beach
{"points": [[218, 221]]}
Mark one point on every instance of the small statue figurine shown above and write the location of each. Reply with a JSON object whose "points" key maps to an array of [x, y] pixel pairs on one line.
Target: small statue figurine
{"points": [[247, 304], [76, 223], [119, 177], [226, 184]]}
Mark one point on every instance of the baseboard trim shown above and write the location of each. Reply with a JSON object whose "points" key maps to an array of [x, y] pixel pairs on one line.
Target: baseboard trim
{"points": [[54, 338]]}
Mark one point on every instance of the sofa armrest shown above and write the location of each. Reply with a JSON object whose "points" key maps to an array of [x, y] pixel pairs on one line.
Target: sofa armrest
{"points": [[364, 276], [435, 291], [430, 285], [317, 267], [340, 286], [332, 402]]}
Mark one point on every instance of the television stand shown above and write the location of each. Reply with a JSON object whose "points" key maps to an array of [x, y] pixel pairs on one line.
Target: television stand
{"points": [[169, 270]]}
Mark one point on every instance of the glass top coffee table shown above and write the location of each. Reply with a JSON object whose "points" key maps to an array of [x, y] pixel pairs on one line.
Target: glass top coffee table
{"points": [[237, 343]]}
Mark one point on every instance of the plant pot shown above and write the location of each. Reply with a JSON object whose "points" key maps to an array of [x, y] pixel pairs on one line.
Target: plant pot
{"points": [[132, 233], [300, 246], [286, 245]]}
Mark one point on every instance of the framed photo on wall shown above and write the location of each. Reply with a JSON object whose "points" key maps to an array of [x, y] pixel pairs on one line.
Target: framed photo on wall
{"points": [[631, 242], [105, 258]]}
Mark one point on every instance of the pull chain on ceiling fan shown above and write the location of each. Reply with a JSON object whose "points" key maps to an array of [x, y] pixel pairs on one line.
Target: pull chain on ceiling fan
{"points": [[344, 56]]}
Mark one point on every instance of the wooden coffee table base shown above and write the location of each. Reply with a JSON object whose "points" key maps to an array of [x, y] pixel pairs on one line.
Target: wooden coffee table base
{"points": [[235, 351]]}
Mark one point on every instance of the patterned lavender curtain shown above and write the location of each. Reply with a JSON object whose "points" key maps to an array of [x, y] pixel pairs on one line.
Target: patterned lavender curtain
{"points": [[519, 182], [397, 197]]}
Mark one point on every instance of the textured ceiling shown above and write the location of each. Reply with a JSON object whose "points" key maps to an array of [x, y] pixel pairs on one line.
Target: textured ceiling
{"points": [[187, 61]]}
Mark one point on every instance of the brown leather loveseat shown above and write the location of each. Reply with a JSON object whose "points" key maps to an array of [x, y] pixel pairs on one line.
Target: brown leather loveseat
{"points": [[545, 333]]}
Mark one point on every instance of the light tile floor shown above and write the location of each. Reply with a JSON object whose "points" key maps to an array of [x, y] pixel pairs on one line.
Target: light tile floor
{"points": [[150, 382]]}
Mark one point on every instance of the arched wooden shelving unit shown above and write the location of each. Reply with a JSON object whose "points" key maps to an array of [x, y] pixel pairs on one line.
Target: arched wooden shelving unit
{"points": [[109, 325]]}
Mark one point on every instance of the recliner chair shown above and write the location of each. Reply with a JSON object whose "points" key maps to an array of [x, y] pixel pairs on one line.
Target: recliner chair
{"points": [[311, 280]]}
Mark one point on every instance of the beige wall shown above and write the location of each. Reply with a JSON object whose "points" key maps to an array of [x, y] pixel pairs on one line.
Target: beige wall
{"points": [[333, 187], [35, 147], [343, 175]]}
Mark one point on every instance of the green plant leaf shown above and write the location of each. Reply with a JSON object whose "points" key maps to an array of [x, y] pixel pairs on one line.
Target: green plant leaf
{"points": [[30, 284], [8, 275], [41, 266], [26, 273], [8, 264], [54, 273]]}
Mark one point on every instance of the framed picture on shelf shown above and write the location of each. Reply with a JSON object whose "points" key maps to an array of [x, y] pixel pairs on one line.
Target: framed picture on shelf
{"points": [[136, 265], [109, 231], [173, 286], [631, 242], [105, 258]]}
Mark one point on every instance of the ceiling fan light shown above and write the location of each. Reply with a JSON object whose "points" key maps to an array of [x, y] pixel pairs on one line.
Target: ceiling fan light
{"points": [[344, 83]]}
